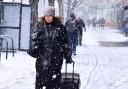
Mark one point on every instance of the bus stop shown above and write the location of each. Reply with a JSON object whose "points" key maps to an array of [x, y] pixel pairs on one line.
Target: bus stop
{"points": [[15, 22]]}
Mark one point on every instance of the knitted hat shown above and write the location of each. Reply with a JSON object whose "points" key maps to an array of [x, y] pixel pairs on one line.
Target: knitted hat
{"points": [[72, 15], [49, 10]]}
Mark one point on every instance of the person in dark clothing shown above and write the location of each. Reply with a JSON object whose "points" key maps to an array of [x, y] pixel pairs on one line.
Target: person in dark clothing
{"points": [[102, 23], [72, 33], [126, 26], [50, 47], [94, 23], [80, 26]]}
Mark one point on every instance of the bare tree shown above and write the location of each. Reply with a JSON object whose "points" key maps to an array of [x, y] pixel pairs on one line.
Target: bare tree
{"points": [[75, 4], [71, 6], [34, 13], [34, 17], [61, 11]]}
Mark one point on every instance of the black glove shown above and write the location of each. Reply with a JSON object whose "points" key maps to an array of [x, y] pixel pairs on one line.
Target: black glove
{"points": [[69, 61], [84, 29], [34, 49], [33, 53]]}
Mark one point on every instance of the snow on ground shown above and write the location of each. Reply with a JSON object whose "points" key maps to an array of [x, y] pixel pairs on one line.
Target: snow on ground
{"points": [[99, 67], [17, 72]]}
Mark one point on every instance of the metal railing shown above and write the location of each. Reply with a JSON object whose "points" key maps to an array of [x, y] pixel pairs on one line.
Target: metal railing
{"points": [[6, 38]]}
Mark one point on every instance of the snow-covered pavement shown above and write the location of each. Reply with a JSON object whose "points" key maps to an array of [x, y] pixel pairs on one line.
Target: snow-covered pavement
{"points": [[100, 66]]}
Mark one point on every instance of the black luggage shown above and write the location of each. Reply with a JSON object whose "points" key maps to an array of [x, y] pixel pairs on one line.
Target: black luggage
{"points": [[70, 80]]}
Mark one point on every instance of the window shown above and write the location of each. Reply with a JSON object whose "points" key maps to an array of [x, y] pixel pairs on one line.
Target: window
{"points": [[1, 12]]}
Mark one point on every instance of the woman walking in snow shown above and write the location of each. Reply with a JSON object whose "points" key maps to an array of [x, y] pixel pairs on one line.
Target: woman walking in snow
{"points": [[50, 47]]}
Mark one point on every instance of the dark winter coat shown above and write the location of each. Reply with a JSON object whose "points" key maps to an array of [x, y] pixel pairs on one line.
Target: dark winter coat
{"points": [[79, 25], [70, 25], [50, 46]]}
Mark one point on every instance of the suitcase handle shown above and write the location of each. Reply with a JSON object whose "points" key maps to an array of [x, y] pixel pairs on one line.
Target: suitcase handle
{"points": [[72, 71]]}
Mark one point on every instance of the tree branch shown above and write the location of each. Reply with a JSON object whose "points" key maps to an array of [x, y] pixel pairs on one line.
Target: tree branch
{"points": [[65, 2]]}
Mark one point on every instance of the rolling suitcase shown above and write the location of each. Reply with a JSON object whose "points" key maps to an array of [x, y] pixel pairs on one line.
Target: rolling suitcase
{"points": [[70, 80]]}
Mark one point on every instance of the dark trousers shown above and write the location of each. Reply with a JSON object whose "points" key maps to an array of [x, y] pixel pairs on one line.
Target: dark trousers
{"points": [[72, 37], [46, 77], [80, 39]]}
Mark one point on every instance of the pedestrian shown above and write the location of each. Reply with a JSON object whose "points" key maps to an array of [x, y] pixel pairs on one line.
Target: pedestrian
{"points": [[88, 22], [72, 33], [80, 26], [49, 46], [99, 23], [126, 26], [102, 23], [94, 23]]}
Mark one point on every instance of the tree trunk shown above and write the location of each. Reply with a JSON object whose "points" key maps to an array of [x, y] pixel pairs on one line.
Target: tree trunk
{"points": [[34, 16], [71, 6], [61, 11], [34, 13], [69, 9]]}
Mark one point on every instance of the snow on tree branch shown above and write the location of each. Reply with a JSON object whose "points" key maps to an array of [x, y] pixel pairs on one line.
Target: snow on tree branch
{"points": [[71, 5]]}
